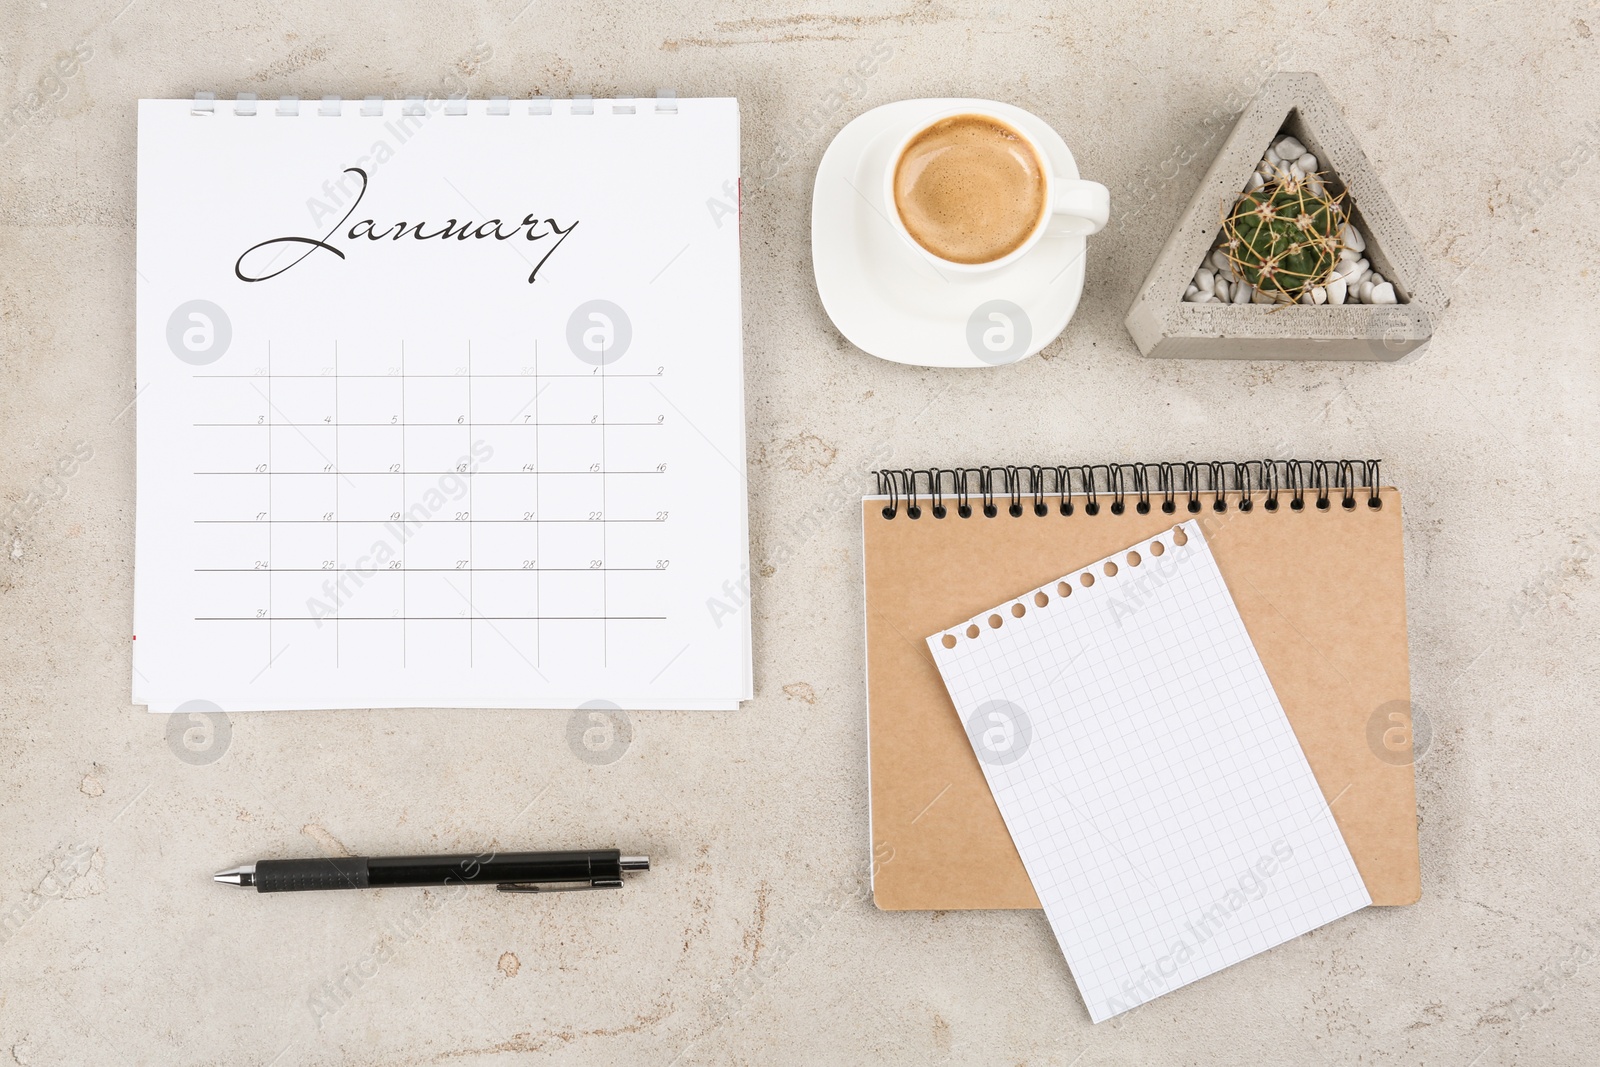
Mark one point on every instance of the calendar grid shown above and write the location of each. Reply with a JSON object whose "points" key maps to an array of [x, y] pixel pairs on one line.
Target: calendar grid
{"points": [[388, 377], [270, 468], [337, 426], [338, 437], [405, 580], [605, 579], [472, 608], [538, 550]]}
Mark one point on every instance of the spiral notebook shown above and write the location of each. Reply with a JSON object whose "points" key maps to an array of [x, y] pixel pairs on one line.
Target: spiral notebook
{"points": [[440, 404], [1312, 555], [1160, 802]]}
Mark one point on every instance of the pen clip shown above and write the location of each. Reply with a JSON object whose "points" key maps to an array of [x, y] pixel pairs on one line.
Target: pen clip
{"points": [[559, 887]]}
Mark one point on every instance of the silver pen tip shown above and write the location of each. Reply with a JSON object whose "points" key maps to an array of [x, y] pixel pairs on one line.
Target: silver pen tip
{"points": [[636, 863], [240, 876]]}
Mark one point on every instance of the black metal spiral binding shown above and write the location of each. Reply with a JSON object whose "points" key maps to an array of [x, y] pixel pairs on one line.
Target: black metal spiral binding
{"points": [[1037, 484], [1141, 485], [1013, 484], [1167, 485], [887, 486], [1191, 485], [1064, 488], [1295, 477], [1241, 479], [912, 510], [1219, 486], [1114, 484], [1344, 480]]}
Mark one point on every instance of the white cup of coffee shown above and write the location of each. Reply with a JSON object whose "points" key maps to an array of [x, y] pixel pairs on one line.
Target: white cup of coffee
{"points": [[972, 191]]}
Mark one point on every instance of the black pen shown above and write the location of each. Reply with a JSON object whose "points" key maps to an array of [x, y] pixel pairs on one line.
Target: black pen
{"points": [[511, 872]]}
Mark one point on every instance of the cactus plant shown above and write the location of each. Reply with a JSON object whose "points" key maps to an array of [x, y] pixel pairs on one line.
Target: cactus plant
{"points": [[1283, 236]]}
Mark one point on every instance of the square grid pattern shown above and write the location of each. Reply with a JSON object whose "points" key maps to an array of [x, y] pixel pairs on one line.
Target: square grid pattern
{"points": [[1146, 771]]}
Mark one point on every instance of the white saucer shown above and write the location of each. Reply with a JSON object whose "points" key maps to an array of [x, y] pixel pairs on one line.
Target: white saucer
{"points": [[892, 302]]}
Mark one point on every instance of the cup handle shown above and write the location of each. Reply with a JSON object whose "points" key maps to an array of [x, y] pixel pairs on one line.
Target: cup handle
{"points": [[1081, 207]]}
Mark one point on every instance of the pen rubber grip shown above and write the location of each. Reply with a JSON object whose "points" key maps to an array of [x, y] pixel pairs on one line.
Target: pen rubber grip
{"points": [[284, 876]]}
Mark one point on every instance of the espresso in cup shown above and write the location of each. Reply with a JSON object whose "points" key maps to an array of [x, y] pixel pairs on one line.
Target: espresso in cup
{"points": [[969, 189]]}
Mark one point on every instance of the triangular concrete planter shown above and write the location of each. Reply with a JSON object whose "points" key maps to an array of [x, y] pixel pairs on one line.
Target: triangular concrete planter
{"points": [[1164, 326]]}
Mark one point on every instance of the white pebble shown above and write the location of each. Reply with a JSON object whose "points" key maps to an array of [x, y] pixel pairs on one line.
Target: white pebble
{"points": [[1197, 297], [1351, 238], [1377, 279], [1336, 291], [1227, 272], [1256, 181], [1205, 279], [1243, 293], [1319, 295], [1365, 292], [1222, 290], [1258, 297], [1384, 294], [1193, 289], [1305, 297], [1295, 172], [1348, 270], [1289, 148], [1317, 188], [1273, 156], [1219, 260], [1348, 255], [1307, 163]]}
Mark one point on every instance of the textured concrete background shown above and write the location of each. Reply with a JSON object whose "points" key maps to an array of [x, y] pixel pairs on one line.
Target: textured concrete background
{"points": [[752, 943]]}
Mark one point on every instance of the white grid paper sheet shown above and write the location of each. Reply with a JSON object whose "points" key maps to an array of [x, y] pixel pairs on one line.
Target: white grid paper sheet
{"points": [[1147, 773]]}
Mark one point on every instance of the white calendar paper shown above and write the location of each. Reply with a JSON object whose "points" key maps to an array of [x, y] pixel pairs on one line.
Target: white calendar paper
{"points": [[1149, 778], [440, 405]]}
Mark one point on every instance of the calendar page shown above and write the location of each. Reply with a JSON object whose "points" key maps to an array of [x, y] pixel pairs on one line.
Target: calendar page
{"points": [[440, 406]]}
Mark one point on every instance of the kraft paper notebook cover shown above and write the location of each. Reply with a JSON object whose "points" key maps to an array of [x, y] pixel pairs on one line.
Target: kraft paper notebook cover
{"points": [[1312, 554]]}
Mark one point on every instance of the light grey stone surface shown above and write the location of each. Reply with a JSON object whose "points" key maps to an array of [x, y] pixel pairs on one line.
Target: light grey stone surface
{"points": [[752, 942]]}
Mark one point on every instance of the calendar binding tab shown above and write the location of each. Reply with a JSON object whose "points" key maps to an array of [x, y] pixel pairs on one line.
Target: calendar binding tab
{"points": [[245, 105]]}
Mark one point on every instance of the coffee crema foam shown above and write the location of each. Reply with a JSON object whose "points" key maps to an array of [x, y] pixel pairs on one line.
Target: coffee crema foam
{"points": [[969, 189]]}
